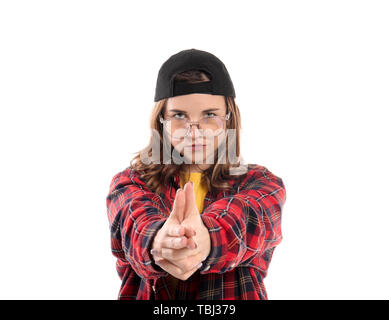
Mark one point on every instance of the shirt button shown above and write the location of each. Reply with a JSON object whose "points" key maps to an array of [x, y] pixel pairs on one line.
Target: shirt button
{"points": [[206, 268]]}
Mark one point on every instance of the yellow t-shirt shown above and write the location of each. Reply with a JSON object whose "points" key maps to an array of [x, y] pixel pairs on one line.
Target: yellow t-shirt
{"points": [[200, 189]]}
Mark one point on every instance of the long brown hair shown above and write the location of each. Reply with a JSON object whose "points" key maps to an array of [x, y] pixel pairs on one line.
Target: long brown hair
{"points": [[215, 177]]}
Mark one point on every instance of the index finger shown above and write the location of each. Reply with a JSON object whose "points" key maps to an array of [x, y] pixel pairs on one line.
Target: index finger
{"points": [[181, 230], [174, 242]]}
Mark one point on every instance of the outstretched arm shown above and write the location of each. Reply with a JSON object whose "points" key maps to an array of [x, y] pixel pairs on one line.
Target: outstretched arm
{"points": [[245, 225], [135, 215]]}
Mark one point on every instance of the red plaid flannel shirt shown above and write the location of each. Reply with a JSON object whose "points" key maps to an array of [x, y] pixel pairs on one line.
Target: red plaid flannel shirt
{"points": [[244, 226]]}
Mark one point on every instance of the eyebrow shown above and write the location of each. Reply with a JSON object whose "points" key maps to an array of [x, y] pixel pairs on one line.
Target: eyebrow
{"points": [[207, 110]]}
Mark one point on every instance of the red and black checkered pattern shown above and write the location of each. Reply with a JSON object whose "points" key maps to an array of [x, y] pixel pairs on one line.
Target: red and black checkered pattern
{"points": [[244, 226]]}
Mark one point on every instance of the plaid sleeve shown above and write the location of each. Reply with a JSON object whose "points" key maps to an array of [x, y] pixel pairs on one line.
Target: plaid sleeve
{"points": [[135, 215], [244, 225]]}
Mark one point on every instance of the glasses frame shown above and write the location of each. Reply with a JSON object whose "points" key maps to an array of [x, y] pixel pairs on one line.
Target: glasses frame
{"points": [[223, 118]]}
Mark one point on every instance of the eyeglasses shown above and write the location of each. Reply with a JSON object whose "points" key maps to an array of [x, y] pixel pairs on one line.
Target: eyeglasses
{"points": [[208, 126]]}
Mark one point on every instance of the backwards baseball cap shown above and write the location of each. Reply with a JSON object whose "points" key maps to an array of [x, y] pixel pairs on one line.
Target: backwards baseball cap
{"points": [[193, 59]]}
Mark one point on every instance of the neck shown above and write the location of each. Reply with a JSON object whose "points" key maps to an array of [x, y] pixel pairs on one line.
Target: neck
{"points": [[196, 168]]}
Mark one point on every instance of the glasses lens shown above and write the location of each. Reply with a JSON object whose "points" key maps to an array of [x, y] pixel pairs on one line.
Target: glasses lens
{"points": [[208, 126], [178, 124], [177, 128], [213, 124]]}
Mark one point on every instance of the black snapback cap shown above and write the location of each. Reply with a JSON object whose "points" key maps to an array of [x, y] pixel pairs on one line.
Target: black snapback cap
{"points": [[193, 59]]}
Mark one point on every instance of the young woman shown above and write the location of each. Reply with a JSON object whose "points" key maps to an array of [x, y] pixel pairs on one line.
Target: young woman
{"points": [[188, 222]]}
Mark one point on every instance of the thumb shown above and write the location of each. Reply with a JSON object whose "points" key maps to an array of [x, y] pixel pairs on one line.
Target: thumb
{"points": [[178, 206]]}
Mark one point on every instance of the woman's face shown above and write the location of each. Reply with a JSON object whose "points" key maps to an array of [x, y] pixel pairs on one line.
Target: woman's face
{"points": [[193, 107]]}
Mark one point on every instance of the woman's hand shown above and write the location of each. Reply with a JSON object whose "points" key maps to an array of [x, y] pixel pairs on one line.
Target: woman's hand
{"points": [[172, 234], [193, 219], [171, 254]]}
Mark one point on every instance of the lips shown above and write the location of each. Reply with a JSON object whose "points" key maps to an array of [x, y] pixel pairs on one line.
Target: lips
{"points": [[193, 145], [198, 145]]}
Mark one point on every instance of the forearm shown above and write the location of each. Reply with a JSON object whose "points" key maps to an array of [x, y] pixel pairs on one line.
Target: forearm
{"points": [[137, 243], [242, 227], [135, 215]]}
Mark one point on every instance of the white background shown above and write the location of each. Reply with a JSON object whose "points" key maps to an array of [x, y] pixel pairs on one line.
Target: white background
{"points": [[77, 81]]}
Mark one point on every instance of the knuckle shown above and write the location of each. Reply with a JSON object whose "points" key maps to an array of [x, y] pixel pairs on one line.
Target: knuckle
{"points": [[157, 243], [172, 255], [177, 242], [169, 254], [171, 230], [184, 241]]}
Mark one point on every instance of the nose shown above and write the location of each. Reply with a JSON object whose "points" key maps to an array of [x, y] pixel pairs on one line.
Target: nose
{"points": [[194, 130]]}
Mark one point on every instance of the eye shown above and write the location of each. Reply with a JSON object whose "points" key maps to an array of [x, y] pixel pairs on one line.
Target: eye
{"points": [[214, 114], [176, 114]]}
